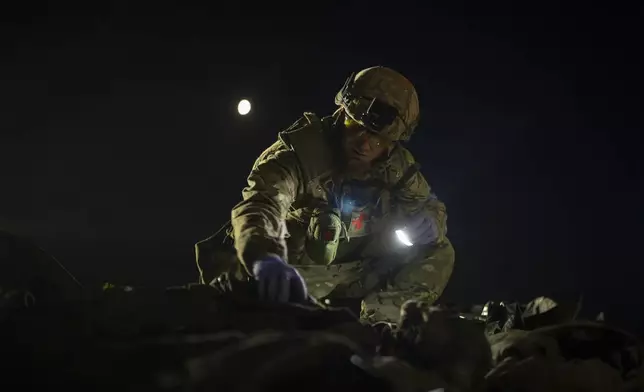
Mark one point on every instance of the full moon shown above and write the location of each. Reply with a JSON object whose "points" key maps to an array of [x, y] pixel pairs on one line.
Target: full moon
{"points": [[243, 107]]}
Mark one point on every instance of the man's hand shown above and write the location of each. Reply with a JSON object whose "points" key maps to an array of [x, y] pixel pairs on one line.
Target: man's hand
{"points": [[399, 233], [422, 228], [278, 281]]}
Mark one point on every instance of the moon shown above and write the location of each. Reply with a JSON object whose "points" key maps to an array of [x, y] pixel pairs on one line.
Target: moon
{"points": [[243, 107]]}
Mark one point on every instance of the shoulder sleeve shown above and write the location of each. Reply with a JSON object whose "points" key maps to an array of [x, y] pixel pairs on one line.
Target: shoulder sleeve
{"points": [[258, 220]]}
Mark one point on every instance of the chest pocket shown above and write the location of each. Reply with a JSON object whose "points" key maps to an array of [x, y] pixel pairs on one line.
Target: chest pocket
{"points": [[361, 204]]}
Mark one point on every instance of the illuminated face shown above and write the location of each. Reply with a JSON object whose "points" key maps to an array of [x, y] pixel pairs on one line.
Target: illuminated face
{"points": [[361, 146]]}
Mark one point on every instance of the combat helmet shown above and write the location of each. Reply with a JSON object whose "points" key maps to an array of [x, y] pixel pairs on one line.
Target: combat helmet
{"points": [[382, 100]]}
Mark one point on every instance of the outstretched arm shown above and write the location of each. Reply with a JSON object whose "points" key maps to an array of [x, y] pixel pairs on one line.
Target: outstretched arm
{"points": [[259, 219]]}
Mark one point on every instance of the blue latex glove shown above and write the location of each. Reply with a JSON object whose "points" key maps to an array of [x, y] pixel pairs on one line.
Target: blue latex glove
{"points": [[278, 281], [422, 228]]}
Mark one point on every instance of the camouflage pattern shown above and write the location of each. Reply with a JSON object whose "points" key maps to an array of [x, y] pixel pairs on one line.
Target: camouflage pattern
{"points": [[385, 85], [284, 191], [439, 341], [574, 356], [422, 278]]}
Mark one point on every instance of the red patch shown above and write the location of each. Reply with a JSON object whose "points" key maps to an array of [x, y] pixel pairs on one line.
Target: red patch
{"points": [[329, 235], [358, 221]]}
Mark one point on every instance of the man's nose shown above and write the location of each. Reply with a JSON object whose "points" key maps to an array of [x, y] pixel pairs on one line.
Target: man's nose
{"points": [[363, 142]]}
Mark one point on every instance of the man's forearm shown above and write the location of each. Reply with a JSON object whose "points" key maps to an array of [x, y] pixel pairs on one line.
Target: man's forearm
{"points": [[258, 221], [255, 237]]}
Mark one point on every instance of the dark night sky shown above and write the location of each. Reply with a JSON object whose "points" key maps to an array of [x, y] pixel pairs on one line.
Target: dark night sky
{"points": [[120, 144]]}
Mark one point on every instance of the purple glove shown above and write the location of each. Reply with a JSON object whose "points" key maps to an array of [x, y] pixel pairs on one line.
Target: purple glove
{"points": [[421, 228], [278, 281]]}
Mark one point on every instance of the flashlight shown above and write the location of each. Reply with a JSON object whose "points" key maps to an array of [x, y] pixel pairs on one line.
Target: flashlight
{"points": [[403, 237]]}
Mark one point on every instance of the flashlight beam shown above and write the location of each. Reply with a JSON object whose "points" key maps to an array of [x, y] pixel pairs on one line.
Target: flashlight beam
{"points": [[403, 238]]}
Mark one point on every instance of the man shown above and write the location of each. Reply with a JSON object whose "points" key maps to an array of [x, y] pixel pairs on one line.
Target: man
{"points": [[337, 207]]}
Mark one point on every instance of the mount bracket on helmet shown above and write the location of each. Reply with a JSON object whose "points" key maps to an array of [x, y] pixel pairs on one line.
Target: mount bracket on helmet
{"points": [[374, 108]]}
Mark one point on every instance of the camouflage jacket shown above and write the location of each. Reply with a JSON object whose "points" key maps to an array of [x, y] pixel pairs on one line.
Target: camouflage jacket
{"points": [[296, 175]]}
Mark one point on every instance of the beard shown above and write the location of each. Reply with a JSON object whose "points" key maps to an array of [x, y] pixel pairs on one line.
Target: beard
{"points": [[357, 169]]}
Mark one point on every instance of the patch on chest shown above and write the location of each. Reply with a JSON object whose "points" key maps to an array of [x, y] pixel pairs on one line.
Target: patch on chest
{"points": [[358, 207], [360, 222]]}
